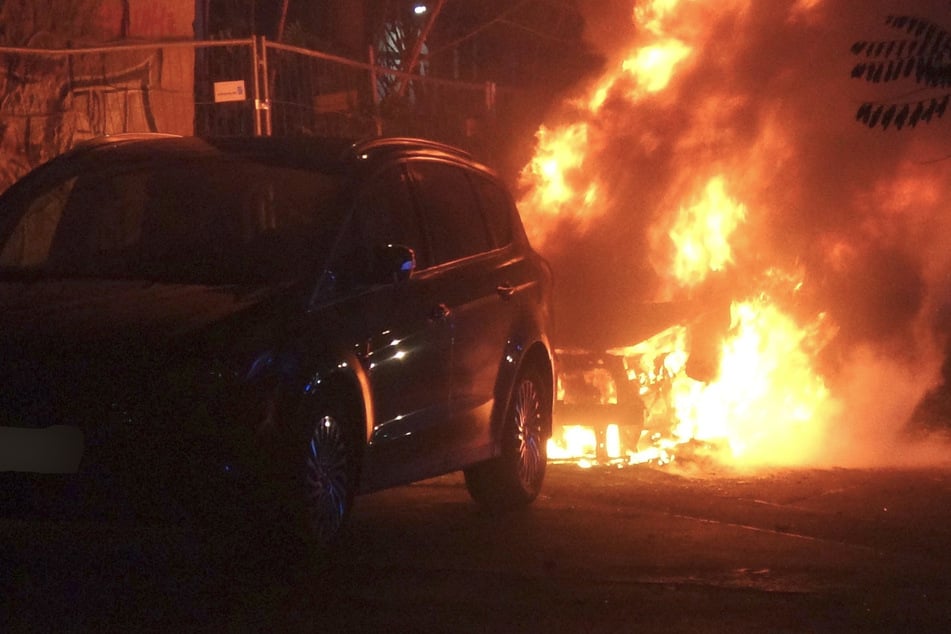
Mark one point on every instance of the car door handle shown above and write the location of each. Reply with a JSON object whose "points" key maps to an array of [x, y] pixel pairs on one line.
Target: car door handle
{"points": [[505, 290], [439, 312]]}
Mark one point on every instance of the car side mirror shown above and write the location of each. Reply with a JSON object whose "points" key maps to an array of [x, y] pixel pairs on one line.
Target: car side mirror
{"points": [[394, 262]]}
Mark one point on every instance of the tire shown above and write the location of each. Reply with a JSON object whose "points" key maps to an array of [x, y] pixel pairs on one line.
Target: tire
{"points": [[328, 477], [514, 478]]}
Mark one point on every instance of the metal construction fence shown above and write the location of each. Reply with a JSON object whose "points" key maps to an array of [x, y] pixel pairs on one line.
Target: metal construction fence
{"points": [[51, 99]]}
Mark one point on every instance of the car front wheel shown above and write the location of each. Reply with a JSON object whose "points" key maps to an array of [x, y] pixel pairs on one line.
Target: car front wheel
{"points": [[329, 476], [514, 478]]}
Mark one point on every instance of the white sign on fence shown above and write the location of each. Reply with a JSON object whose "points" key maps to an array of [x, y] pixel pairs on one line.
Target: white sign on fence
{"points": [[230, 91]]}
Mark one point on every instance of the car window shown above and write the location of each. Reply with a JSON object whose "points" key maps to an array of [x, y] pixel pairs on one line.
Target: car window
{"points": [[497, 206], [453, 218], [29, 244], [209, 221], [385, 214]]}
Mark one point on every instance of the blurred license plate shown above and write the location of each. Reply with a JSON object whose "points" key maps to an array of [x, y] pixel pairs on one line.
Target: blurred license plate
{"points": [[55, 449]]}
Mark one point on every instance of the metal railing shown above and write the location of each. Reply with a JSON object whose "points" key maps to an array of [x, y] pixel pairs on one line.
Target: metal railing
{"points": [[50, 99]]}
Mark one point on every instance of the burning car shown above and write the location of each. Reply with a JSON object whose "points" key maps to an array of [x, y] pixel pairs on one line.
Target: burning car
{"points": [[613, 402], [596, 397]]}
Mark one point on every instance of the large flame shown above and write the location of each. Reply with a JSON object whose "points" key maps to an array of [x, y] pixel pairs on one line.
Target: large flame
{"points": [[701, 234], [559, 191], [768, 404], [720, 231]]}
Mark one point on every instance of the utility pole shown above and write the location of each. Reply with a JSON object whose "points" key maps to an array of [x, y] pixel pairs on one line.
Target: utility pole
{"points": [[282, 22], [413, 59]]}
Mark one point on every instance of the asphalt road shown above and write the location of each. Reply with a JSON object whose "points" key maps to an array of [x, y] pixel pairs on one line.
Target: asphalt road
{"points": [[636, 549]]}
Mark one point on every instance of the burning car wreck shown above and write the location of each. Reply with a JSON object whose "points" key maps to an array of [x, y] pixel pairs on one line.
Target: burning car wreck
{"points": [[613, 400], [738, 278]]}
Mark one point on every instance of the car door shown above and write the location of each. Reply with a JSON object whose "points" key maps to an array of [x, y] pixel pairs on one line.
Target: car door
{"points": [[406, 344], [476, 283]]}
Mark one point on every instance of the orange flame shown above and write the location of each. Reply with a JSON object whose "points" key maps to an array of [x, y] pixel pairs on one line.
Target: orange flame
{"points": [[764, 402], [768, 405], [651, 69], [558, 191], [702, 232]]}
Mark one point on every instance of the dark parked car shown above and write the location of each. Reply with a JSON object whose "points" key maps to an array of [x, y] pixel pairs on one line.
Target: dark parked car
{"points": [[288, 321]]}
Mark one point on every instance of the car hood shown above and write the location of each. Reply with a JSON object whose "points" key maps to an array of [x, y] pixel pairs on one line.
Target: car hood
{"points": [[78, 313], [79, 344]]}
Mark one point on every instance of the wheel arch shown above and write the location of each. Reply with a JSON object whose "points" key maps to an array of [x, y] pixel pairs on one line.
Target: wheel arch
{"points": [[345, 384], [538, 358]]}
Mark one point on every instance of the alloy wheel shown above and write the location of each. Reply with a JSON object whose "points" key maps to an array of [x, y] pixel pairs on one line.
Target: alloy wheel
{"points": [[328, 478], [531, 442]]}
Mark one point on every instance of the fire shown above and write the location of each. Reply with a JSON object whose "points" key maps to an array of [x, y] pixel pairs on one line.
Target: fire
{"points": [[701, 234], [768, 405], [558, 190], [646, 70], [743, 280], [651, 14], [758, 397], [560, 187], [653, 66]]}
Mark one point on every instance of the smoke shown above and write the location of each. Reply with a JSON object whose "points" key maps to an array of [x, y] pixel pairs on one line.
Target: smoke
{"points": [[765, 99]]}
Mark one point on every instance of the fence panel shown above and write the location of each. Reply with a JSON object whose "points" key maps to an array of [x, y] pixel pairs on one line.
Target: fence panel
{"points": [[51, 99], [315, 93], [218, 62]]}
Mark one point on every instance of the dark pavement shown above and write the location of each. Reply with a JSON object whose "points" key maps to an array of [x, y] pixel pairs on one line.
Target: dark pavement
{"points": [[603, 550]]}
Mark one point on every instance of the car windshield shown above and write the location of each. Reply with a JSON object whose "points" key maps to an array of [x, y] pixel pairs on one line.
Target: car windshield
{"points": [[213, 221]]}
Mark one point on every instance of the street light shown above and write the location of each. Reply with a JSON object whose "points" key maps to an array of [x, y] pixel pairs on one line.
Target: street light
{"points": [[420, 9]]}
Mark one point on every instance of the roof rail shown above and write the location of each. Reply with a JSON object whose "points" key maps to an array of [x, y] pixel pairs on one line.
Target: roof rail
{"points": [[106, 139], [376, 143]]}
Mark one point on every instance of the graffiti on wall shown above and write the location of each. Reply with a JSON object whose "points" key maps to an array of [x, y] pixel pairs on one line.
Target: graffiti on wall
{"points": [[50, 101], [48, 105], [115, 102]]}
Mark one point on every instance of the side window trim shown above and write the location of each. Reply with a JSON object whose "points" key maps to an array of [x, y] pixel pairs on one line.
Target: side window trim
{"points": [[498, 221], [427, 222], [382, 215]]}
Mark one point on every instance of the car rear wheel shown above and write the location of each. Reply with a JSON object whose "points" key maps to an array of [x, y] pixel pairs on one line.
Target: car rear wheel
{"points": [[514, 478]]}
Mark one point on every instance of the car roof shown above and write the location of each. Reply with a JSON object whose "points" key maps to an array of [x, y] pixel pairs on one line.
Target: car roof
{"points": [[325, 153], [293, 151]]}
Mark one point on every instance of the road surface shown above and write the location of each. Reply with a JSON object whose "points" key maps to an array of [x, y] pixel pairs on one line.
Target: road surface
{"points": [[603, 550]]}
